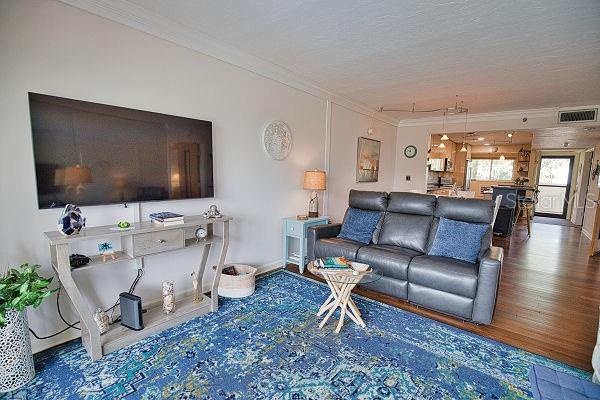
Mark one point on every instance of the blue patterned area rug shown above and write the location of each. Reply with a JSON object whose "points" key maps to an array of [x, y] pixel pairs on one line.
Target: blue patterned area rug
{"points": [[268, 346]]}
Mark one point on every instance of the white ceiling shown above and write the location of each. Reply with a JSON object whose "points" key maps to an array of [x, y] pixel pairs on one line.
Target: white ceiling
{"points": [[497, 55]]}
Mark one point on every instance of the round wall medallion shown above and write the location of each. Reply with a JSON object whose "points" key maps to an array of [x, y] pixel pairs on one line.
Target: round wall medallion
{"points": [[277, 140]]}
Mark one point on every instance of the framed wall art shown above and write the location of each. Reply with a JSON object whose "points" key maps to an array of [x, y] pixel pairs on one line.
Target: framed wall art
{"points": [[367, 160]]}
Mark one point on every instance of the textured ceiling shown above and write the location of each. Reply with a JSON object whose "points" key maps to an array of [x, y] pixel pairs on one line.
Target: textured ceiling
{"points": [[497, 55]]}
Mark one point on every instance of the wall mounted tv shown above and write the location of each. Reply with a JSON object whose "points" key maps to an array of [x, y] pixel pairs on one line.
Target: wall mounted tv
{"points": [[89, 154]]}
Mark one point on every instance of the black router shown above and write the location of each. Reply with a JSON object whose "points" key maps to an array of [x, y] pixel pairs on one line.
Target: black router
{"points": [[131, 311]]}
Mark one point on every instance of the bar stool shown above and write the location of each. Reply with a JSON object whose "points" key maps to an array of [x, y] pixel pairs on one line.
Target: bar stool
{"points": [[525, 206]]}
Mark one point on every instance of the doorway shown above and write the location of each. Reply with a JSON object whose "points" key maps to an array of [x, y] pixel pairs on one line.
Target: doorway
{"points": [[554, 185]]}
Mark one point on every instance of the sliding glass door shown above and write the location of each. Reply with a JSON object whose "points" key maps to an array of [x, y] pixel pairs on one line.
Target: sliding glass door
{"points": [[554, 185]]}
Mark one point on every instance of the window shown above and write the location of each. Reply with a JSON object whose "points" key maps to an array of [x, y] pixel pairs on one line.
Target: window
{"points": [[492, 169]]}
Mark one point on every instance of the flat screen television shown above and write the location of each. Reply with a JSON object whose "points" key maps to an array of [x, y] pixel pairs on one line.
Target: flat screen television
{"points": [[90, 154]]}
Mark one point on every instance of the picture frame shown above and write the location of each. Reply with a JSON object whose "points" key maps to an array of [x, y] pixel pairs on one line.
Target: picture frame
{"points": [[367, 160]]}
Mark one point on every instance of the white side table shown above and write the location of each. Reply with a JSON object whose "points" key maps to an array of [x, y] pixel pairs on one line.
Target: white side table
{"points": [[296, 230]]}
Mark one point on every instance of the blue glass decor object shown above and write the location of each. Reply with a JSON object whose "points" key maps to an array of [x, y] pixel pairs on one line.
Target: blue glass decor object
{"points": [[71, 220]]}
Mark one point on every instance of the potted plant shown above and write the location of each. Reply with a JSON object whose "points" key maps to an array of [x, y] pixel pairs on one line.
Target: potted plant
{"points": [[19, 288]]}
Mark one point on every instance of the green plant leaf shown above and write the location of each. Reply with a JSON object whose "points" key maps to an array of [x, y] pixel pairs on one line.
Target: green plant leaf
{"points": [[21, 288]]}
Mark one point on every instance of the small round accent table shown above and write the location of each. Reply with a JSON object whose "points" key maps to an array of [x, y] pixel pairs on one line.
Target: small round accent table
{"points": [[341, 282]]}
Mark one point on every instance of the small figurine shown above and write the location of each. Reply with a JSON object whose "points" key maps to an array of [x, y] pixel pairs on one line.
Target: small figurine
{"points": [[213, 212], [101, 320], [197, 294], [106, 250], [168, 293]]}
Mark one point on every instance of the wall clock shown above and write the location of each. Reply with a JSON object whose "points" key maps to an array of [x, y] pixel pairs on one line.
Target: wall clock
{"points": [[410, 151], [277, 140]]}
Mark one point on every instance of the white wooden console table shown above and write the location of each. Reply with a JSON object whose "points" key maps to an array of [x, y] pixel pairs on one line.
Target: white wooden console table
{"points": [[144, 240]]}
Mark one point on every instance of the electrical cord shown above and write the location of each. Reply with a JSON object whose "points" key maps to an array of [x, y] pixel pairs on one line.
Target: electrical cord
{"points": [[139, 275]]}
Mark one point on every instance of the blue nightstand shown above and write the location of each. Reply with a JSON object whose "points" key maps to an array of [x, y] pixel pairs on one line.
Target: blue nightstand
{"points": [[294, 230]]}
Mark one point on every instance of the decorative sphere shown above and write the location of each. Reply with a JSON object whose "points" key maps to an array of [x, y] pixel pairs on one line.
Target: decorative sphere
{"points": [[71, 220]]}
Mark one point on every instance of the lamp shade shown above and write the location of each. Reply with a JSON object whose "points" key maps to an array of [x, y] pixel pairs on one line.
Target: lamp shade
{"points": [[315, 180], [77, 175]]}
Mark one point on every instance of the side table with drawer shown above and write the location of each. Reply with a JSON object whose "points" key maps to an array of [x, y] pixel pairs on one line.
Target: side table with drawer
{"points": [[294, 239]]}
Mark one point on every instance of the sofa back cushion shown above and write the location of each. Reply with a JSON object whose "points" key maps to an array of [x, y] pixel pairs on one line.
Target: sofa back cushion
{"points": [[367, 200], [467, 210], [407, 221], [411, 203]]}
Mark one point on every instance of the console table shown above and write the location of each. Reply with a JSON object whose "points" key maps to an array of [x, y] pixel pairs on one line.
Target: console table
{"points": [[146, 239]]}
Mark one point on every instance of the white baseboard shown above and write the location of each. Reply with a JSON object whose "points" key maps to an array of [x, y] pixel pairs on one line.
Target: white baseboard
{"points": [[71, 334]]}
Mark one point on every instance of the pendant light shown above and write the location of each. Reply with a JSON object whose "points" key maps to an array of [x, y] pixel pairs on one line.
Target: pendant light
{"points": [[444, 136], [464, 148], [502, 158], [442, 146]]}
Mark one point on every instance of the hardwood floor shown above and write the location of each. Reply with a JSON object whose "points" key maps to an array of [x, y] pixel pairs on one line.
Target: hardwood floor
{"points": [[549, 295]]}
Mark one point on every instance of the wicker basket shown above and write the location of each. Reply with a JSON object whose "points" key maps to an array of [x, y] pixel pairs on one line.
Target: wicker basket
{"points": [[236, 286]]}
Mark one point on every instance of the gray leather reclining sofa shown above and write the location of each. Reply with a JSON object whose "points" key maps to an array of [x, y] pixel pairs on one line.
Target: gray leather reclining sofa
{"points": [[399, 249]]}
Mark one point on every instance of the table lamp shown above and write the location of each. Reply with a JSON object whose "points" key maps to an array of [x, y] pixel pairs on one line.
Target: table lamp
{"points": [[314, 180]]}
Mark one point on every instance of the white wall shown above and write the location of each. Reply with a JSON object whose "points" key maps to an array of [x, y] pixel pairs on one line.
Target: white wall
{"points": [[346, 127], [49, 47]]}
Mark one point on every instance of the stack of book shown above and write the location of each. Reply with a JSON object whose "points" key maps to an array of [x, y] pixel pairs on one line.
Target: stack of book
{"points": [[166, 218], [333, 263]]}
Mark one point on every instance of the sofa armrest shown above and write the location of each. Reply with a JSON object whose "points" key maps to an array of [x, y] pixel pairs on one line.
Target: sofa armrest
{"points": [[319, 232], [490, 268]]}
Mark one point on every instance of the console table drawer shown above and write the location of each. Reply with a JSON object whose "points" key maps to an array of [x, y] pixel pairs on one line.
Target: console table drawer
{"points": [[156, 242]]}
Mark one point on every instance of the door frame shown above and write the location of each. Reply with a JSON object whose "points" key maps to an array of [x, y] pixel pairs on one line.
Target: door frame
{"points": [[567, 187], [588, 182]]}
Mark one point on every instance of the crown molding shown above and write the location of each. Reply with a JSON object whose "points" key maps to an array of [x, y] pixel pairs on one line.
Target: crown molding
{"points": [[139, 18]]}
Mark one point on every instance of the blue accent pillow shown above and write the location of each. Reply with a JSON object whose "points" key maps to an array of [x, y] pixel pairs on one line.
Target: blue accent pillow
{"points": [[359, 225], [458, 239]]}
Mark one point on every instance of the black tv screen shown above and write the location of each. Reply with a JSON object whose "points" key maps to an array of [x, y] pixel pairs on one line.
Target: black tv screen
{"points": [[88, 154]]}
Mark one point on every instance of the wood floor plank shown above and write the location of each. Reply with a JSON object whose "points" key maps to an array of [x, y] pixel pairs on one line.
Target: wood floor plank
{"points": [[548, 299]]}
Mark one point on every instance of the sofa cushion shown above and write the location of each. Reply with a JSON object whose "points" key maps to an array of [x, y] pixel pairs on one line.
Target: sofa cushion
{"points": [[445, 274], [405, 230], [337, 247], [411, 203], [459, 240], [367, 200], [467, 210], [359, 225], [390, 260], [439, 300], [392, 287], [548, 384]]}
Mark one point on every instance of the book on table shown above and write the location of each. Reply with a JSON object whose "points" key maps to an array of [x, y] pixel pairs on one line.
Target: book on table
{"points": [[165, 216], [334, 263]]}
